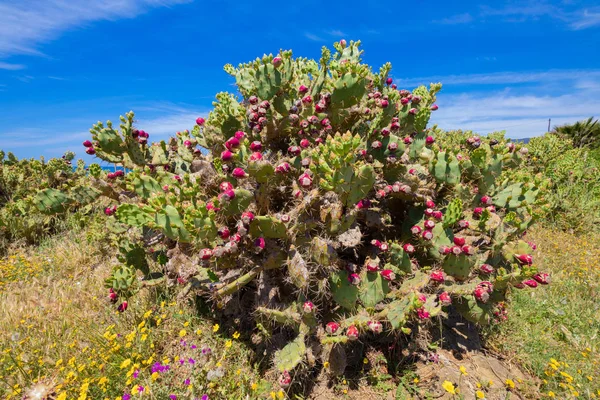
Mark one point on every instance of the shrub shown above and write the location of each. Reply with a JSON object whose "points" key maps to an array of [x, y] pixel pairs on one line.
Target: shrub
{"points": [[318, 207]]}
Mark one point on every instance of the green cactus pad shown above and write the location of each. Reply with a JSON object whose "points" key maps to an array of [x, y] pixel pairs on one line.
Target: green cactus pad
{"points": [[458, 266], [240, 202], [453, 213], [445, 168], [344, 293], [134, 215], [169, 221], [291, 355], [51, 201], [373, 288], [398, 311], [268, 227]]}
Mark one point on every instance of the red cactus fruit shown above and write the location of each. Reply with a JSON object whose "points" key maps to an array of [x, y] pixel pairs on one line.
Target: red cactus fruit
{"points": [[239, 173], [226, 155], [542, 278], [256, 156], [486, 269], [225, 186], [429, 140], [284, 380], [122, 307], [388, 81], [354, 279], [437, 276], [532, 283], [463, 223], [375, 326], [415, 230], [525, 259], [302, 89], [305, 180], [307, 100], [259, 244], [308, 307], [456, 250], [459, 241], [224, 232], [429, 224], [332, 327], [232, 143], [206, 254], [239, 135], [428, 212], [422, 313], [277, 61], [283, 168], [200, 121], [487, 200], [427, 235], [481, 294], [408, 140], [256, 146], [434, 107], [363, 204], [384, 103], [352, 332], [388, 275], [372, 266], [409, 248], [445, 299], [468, 250], [90, 150], [477, 211], [247, 217], [445, 250], [376, 144], [87, 143]]}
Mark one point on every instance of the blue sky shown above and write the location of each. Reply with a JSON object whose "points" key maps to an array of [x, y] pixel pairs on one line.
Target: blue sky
{"points": [[65, 64]]}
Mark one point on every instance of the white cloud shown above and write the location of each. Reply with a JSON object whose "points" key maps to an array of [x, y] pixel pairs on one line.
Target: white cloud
{"points": [[586, 20], [500, 78], [25, 24], [456, 19], [575, 19], [313, 37], [11, 67], [336, 32], [520, 114]]}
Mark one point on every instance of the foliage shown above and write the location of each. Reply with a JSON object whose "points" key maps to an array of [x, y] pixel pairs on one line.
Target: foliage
{"points": [[37, 197], [321, 199], [583, 133], [574, 175]]}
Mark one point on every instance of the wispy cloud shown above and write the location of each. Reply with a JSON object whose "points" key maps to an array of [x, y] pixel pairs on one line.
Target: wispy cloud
{"points": [[574, 18], [26, 24], [502, 78], [521, 112], [456, 19], [335, 32], [11, 67], [313, 37], [587, 20]]}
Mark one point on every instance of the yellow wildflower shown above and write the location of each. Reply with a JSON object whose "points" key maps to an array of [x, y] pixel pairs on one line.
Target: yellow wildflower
{"points": [[449, 387], [480, 394], [254, 386], [215, 327], [228, 343], [463, 370], [510, 384], [182, 333], [236, 335], [125, 363]]}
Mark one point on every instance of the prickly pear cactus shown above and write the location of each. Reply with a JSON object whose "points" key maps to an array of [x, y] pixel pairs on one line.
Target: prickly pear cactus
{"points": [[321, 194]]}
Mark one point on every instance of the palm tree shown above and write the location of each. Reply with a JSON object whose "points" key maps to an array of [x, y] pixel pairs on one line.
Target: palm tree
{"points": [[583, 133]]}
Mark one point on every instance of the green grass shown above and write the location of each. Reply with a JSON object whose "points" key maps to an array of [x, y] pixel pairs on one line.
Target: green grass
{"points": [[554, 331]]}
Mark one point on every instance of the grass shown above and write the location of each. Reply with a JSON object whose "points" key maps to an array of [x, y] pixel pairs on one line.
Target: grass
{"points": [[554, 331], [58, 330]]}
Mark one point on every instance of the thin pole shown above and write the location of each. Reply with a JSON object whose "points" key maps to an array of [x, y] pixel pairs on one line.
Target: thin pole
{"points": [[549, 119]]}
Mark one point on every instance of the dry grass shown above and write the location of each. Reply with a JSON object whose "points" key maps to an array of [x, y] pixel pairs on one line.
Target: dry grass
{"points": [[58, 328]]}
